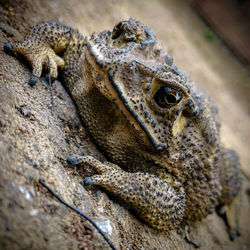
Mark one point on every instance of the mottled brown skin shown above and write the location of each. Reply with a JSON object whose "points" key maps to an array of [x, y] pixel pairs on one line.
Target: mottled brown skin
{"points": [[159, 130]]}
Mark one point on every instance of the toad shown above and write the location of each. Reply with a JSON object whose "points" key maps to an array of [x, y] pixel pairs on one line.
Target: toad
{"points": [[159, 130]]}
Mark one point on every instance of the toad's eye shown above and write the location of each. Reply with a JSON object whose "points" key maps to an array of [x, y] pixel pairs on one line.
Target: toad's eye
{"points": [[118, 30], [166, 96]]}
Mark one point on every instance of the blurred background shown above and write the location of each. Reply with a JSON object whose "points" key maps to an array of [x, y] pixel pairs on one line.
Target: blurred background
{"points": [[230, 19]]}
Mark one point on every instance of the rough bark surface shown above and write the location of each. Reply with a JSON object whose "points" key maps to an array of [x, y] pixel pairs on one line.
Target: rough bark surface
{"points": [[35, 139]]}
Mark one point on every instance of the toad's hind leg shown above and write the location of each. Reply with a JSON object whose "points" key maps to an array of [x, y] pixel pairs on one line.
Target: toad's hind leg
{"points": [[154, 200], [231, 180], [44, 42]]}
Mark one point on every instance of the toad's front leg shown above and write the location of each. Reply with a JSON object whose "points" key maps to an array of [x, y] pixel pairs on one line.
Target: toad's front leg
{"points": [[157, 202], [42, 45]]}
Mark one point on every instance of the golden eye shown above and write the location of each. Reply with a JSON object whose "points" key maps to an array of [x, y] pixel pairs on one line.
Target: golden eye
{"points": [[118, 30], [166, 96]]}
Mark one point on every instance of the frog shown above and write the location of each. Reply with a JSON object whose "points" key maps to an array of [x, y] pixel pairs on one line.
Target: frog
{"points": [[159, 131]]}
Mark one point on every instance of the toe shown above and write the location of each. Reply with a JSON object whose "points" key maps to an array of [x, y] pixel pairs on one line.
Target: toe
{"points": [[53, 68], [93, 163], [59, 61], [37, 66]]}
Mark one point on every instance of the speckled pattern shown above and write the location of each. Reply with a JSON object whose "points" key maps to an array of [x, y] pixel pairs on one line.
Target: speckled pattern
{"points": [[146, 116]]}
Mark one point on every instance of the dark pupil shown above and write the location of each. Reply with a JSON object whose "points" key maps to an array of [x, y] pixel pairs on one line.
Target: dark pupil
{"points": [[166, 96], [117, 31], [171, 98]]}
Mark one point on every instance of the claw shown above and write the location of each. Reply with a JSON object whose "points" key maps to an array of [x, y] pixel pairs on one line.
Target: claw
{"points": [[33, 80], [232, 236], [8, 48], [88, 181], [72, 160]]}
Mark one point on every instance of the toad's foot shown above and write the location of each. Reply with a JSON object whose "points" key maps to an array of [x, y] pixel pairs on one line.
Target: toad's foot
{"points": [[39, 55], [42, 45], [230, 214], [230, 200], [154, 200]]}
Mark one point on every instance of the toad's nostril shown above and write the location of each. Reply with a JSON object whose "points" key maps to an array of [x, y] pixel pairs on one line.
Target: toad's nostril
{"points": [[191, 108]]}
